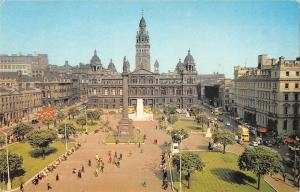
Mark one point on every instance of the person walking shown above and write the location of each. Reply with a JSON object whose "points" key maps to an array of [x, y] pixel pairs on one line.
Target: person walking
{"points": [[49, 186], [109, 159], [116, 154], [90, 163], [79, 174], [21, 187], [82, 169], [120, 156], [57, 177]]}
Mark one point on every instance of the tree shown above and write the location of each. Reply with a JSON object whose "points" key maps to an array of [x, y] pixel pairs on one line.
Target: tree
{"points": [[81, 121], [73, 111], [2, 141], [190, 162], [41, 139], [70, 129], [60, 116], [172, 118], [175, 134], [100, 110], [224, 137], [15, 164], [93, 115], [196, 110], [170, 109], [261, 160], [21, 130], [47, 121]]}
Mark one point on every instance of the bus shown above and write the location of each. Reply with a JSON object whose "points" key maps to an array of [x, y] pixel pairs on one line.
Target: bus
{"points": [[245, 133]]}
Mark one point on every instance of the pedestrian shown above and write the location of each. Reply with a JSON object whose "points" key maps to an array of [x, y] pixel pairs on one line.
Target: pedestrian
{"points": [[96, 173], [97, 157], [156, 127], [21, 187], [74, 171], [121, 156], [116, 154], [145, 183], [79, 174], [109, 159], [82, 169], [57, 177], [139, 144], [102, 167], [49, 186], [141, 150], [90, 163]]}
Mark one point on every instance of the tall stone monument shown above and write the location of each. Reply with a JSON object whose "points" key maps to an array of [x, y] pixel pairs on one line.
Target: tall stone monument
{"points": [[125, 127]]}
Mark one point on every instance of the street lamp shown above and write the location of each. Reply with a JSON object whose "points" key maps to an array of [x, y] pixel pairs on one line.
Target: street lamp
{"points": [[66, 141], [8, 174], [181, 136]]}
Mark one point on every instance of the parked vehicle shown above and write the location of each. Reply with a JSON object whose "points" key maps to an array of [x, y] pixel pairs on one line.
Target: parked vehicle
{"points": [[227, 124], [253, 143], [174, 148], [220, 118], [268, 143]]}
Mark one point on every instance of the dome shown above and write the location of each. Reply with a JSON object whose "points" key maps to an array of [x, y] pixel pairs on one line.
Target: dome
{"points": [[95, 59], [179, 66], [111, 66], [189, 58], [142, 23]]}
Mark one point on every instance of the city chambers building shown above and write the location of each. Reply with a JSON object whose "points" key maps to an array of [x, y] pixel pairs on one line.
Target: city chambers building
{"points": [[156, 89]]}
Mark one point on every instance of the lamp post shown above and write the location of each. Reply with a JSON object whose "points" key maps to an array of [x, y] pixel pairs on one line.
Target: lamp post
{"points": [[7, 161], [66, 140], [180, 186]]}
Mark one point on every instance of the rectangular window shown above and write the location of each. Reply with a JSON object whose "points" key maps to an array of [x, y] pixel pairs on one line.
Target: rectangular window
{"points": [[287, 73], [295, 124], [285, 124], [297, 73], [286, 86], [296, 85], [285, 110], [286, 96]]}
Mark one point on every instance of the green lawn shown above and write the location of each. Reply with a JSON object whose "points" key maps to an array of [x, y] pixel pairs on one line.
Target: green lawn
{"points": [[32, 165], [221, 174], [90, 128], [188, 125]]}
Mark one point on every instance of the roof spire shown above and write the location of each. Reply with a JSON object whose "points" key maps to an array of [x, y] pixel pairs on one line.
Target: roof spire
{"points": [[189, 51], [95, 52]]}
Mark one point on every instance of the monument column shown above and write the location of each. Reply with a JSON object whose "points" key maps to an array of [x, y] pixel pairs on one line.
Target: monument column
{"points": [[125, 127]]}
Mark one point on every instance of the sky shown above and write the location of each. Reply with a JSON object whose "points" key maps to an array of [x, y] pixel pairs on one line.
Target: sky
{"points": [[220, 34]]}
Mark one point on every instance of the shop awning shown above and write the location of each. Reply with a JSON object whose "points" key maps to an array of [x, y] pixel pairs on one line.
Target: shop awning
{"points": [[262, 130]]}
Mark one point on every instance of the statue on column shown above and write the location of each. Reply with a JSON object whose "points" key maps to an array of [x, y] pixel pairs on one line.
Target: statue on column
{"points": [[126, 66]]}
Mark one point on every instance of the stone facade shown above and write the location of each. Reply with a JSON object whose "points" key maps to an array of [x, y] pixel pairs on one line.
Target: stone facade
{"points": [[33, 65], [268, 96], [156, 89], [18, 104]]}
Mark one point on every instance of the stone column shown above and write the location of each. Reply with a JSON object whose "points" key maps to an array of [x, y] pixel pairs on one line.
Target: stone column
{"points": [[125, 95], [125, 127]]}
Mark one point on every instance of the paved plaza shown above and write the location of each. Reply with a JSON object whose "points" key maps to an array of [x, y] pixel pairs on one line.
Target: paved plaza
{"points": [[133, 171]]}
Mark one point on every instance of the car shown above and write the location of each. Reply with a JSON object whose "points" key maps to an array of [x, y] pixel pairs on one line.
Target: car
{"points": [[268, 143], [174, 148], [253, 143], [220, 118], [227, 124]]}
